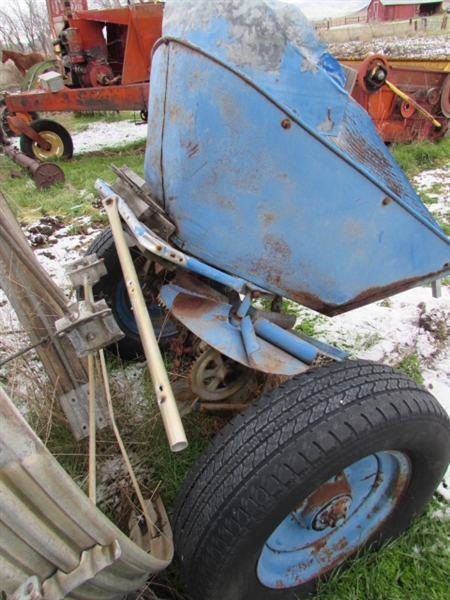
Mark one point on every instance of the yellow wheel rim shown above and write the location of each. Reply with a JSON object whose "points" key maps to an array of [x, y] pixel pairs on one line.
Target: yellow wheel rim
{"points": [[56, 150]]}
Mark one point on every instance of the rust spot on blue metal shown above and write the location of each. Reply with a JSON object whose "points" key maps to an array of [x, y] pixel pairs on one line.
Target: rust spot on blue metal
{"points": [[194, 307], [192, 149], [278, 248]]}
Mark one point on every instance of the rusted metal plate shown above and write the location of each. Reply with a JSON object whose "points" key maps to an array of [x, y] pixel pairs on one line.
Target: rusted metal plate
{"points": [[123, 97]]}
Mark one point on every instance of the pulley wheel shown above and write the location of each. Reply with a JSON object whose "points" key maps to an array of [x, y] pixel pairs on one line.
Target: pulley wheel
{"points": [[406, 109], [373, 73], [214, 377], [433, 96]]}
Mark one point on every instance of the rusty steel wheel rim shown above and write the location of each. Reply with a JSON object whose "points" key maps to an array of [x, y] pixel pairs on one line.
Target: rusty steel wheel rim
{"points": [[334, 521]]}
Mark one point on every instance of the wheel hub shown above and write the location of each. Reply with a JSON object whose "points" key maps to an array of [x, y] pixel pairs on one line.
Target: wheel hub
{"points": [[334, 521], [332, 514], [327, 506]]}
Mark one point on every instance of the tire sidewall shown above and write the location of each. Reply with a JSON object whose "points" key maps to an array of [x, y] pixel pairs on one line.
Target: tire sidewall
{"points": [[246, 551]]}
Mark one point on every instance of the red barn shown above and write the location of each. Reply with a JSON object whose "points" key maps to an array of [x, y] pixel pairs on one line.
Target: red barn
{"points": [[397, 10]]}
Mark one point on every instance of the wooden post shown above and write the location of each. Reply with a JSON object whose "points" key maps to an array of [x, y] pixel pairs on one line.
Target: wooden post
{"points": [[39, 302]]}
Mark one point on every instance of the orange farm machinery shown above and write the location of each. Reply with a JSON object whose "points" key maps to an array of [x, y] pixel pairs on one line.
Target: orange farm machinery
{"points": [[103, 65]]}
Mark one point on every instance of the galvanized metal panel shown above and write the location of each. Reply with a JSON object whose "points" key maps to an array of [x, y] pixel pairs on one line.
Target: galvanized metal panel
{"points": [[47, 522]]}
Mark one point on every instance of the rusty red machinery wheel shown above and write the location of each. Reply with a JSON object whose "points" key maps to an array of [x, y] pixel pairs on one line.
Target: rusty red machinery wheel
{"points": [[445, 98], [9, 128], [406, 109], [372, 73]]}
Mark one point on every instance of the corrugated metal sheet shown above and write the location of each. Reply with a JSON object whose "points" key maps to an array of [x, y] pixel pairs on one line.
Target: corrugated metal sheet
{"points": [[50, 529]]}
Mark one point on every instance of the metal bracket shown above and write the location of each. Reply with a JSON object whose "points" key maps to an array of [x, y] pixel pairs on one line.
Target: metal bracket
{"points": [[90, 326], [89, 268], [436, 287], [75, 406]]}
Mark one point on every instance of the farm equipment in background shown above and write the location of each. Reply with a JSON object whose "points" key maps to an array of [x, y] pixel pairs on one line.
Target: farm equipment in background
{"points": [[406, 102], [104, 65]]}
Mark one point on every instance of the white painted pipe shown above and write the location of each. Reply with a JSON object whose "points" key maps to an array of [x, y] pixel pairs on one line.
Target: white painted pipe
{"points": [[92, 428], [164, 394]]}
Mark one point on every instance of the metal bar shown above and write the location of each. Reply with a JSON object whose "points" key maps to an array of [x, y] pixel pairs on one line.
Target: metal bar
{"points": [[88, 294], [20, 124], [411, 101], [164, 394], [285, 340], [151, 525], [24, 351], [147, 239]]}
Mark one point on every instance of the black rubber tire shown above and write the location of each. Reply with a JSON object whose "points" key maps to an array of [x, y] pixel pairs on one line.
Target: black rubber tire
{"points": [[130, 346], [7, 129], [56, 134], [272, 456]]}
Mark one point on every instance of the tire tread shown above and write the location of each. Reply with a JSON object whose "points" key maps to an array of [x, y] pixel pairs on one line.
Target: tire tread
{"points": [[269, 428]]}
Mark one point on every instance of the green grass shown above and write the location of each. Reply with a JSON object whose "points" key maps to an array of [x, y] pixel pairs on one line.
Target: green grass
{"points": [[419, 156], [410, 365], [76, 196]]}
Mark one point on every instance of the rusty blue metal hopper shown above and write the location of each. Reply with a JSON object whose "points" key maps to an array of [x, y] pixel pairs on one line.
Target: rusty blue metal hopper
{"points": [[270, 170]]}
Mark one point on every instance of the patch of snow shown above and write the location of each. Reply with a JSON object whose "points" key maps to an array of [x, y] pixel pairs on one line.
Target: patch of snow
{"points": [[433, 47], [112, 135]]}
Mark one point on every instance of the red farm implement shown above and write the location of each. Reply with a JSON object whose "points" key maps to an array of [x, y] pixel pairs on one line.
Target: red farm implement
{"points": [[405, 101], [103, 65]]}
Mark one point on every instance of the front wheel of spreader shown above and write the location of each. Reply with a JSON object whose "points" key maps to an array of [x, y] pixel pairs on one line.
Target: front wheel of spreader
{"points": [[330, 463]]}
